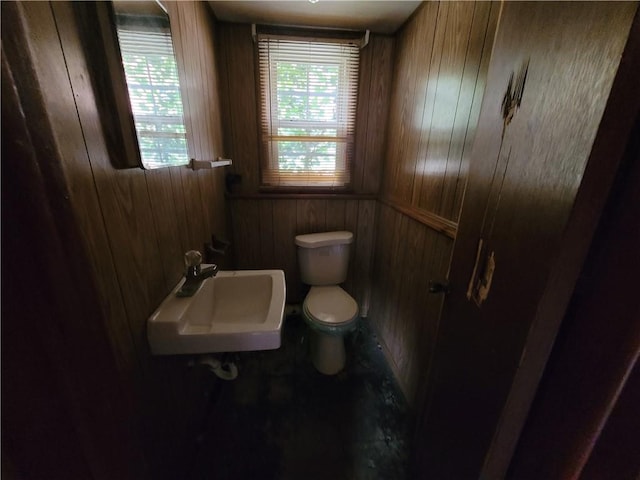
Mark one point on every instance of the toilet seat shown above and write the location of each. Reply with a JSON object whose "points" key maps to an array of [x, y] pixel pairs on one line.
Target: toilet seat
{"points": [[330, 306]]}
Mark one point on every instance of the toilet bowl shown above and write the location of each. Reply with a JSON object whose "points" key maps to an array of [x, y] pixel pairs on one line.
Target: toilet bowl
{"points": [[331, 313], [328, 310]]}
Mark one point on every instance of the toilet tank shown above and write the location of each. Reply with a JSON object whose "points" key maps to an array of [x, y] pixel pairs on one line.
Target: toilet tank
{"points": [[324, 257]]}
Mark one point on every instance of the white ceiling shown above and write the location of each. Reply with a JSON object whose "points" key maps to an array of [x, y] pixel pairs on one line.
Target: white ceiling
{"points": [[377, 16]]}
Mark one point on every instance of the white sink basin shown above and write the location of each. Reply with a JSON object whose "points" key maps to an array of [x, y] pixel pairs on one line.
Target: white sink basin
{"points": [[231, 312]]}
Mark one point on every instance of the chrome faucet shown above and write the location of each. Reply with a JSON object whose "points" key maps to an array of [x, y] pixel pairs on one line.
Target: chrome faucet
{"points": [[195, 274]]}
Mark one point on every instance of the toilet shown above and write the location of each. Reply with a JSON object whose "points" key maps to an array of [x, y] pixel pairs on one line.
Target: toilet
{"points": [[329, 311]]}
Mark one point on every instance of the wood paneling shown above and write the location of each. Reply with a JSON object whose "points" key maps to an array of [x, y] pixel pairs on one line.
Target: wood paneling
{"points": [[136, 224], [265, 225], [408, 256], [433, 166], [439, 77], [264, 232], [285, 255], [364, 244], [413, 76], [373, 106], [193, 31], [66, 409], [523, 183], [441, 61], [238, 88]]}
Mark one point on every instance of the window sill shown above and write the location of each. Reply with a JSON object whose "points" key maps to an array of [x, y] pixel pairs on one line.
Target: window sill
{"points": [[279, 195]]}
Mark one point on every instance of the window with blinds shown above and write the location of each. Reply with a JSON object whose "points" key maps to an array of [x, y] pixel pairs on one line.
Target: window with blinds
{"points": [[308, 93], [154, 90]]}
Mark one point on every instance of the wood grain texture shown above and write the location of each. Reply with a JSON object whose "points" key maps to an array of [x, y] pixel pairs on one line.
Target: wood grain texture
{"points": [[284, 232], [381, 307], [311, 216], [364, 246], [463, 125], [404, 314], [598, 344], [245, 216], [406, 307], [396, 284], [237, 65], [181, 208], [456, 32], [474, 114], [439, 77], [351, 225], [168, 239], [336, 215], [373, 104], [264, 233], [59, 417], [618, 128], [417, 72], [267, 245], [379, 97], [45, 43], [362, 117], [136, 224], [302, 196], [311, 212], [441, 61], [433, 221], [573, 52]]}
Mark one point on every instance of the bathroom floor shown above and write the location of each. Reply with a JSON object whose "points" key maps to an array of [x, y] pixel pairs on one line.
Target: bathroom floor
{"points": [[282, 420]]}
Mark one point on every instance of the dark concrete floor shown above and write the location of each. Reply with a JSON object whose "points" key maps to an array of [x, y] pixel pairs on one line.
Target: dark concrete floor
{"points": [[281, 419]]}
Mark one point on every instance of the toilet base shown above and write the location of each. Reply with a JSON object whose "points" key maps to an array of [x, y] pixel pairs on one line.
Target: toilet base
{"points": [[327, 352]]}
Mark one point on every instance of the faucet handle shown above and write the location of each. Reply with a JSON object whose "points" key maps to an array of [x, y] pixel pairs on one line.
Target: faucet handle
{"points": [[192, 258], [192, 261]]}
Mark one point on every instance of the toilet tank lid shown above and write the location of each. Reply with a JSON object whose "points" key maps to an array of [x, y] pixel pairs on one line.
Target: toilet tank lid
{"points": [[316, 240]]}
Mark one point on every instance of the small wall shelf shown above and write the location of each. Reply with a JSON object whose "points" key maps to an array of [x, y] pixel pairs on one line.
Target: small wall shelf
{"points": [[208, 164]]}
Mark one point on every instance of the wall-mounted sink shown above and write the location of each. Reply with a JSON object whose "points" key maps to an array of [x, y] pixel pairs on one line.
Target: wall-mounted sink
{"points": [[234, 311]]}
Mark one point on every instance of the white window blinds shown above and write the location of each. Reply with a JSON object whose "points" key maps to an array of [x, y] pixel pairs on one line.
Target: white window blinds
{"points": [[154, 91], [308, 93]]}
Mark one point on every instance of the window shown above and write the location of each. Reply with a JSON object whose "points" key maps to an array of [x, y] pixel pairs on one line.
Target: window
{"points": [[154, 89], [308, 93]]}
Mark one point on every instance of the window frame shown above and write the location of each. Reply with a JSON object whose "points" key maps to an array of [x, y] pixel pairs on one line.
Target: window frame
{"points": [[343, 139]]}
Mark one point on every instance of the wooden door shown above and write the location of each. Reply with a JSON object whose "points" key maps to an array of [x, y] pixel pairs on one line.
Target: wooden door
{"points": [[524, 216]]}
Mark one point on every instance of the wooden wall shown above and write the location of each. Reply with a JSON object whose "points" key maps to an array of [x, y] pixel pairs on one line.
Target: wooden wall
{"points": [[408, 256], [264, 232], [278, 218], [539, 175], [442, 57], [66, 411], [598, 345], [439, 79], [136, 224]]}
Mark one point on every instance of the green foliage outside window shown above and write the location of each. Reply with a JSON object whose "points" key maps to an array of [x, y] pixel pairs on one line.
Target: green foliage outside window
{"points": [[306, 103], [308, 97]]}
